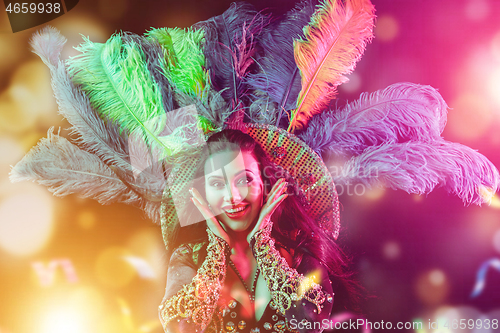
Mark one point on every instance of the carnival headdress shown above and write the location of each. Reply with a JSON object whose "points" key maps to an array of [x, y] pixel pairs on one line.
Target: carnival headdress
{"points": [[141, 106]]}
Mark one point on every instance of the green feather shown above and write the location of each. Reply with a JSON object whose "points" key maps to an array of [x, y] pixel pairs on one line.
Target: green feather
{"points": [[185, 58], [205, 125], [115, 77]]}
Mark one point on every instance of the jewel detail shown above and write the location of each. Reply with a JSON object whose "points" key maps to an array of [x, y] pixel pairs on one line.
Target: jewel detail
{"points": [[280, 325], [230, 326]]}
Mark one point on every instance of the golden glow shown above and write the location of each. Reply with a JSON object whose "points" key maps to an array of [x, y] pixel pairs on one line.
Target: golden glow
{"points": [[112, 269], [148, 244], [30, 89], [26, 221], [495, 201], [64, 320], [307, 283], [12, 118], [12, 152], [487, 194], [86, 219]]}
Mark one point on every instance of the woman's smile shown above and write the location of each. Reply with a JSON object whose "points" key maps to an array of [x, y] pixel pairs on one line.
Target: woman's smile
{"points": [[235, 212], [234, 188]]}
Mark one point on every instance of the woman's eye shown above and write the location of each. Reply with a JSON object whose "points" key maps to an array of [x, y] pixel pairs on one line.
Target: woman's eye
{"points": [[216, 184], [245, 180]]}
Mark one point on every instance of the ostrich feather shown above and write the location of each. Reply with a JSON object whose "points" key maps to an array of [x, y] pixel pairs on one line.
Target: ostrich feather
{"points": [[65, 169], [278, 74], [130, 98], [229, 47], [418, 167], [211, 105], [155, 60], [335, 40], [185, 61], [399, 113], [47, 44], [91, 132]]}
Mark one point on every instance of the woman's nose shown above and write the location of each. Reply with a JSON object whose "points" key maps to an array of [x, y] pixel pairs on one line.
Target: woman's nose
{"points": [[232, 194]]}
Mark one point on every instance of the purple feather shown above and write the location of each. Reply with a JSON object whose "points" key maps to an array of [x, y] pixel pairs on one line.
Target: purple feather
{"points": [[229, 45], [402, 112], [278, 74], [418, 167]]}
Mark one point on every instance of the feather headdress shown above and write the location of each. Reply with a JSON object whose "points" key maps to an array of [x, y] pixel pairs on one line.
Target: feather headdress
{"points": [[141, 108]]}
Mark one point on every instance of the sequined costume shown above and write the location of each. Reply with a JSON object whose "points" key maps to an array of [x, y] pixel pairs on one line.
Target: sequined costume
{"points": [[290, 301]]}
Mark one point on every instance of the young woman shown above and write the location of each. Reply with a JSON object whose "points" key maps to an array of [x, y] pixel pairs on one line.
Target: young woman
{"points": [[259, 243]]}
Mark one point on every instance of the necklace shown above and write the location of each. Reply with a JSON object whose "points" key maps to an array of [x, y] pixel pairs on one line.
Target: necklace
{"points": [[251, 292]]}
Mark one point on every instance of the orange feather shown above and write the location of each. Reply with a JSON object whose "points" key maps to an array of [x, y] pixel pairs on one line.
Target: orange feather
{"points": [[334, 42]]}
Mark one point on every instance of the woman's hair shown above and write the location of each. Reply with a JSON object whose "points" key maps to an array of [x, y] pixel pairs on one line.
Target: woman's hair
{"points": [[293, 228]]}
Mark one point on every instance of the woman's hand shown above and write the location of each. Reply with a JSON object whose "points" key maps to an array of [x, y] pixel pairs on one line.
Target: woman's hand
{"points": [[212, 222], [275, 197]]}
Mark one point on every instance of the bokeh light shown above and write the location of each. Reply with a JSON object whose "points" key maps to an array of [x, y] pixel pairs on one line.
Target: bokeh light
{"points": [[64, 320], [375, 193], [148, 244], [391, 250], [26, 221], [432, 287], [493, 85], [387, 28], [496, 240], [86, 219], [353, 85], [477, 10], [495, 46], [13, 119], [470, 117], [12, 152]]}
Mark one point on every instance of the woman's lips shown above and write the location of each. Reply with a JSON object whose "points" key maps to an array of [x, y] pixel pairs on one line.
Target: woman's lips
{"points": [[235, 212]]}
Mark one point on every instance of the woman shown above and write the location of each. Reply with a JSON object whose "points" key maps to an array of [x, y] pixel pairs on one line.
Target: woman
{"points": [[241, 199]]}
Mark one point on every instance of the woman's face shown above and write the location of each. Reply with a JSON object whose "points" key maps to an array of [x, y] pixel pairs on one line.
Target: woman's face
{"points": [[234, 188]]}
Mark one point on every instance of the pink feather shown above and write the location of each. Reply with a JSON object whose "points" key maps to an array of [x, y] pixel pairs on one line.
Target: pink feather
{"points": [[334, 42]]}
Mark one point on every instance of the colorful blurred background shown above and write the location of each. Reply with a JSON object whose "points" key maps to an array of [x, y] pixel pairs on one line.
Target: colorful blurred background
{"points": [[70, 265]]}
